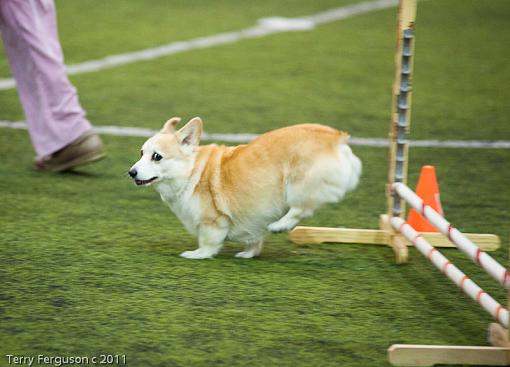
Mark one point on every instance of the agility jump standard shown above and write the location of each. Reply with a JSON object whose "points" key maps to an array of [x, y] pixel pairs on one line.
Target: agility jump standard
{"points": [[398, 162]]}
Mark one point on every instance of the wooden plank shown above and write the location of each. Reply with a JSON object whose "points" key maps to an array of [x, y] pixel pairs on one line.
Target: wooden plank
{"points": [[429, 355], [399, 245], [486, 242], [407, 14], [406, 19], [384, 223], [498, 335], [397, 241], [317, 235]]}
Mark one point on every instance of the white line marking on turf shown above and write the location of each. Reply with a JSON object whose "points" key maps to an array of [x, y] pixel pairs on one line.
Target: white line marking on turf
{"points": [[264, 27], [243, 138]]}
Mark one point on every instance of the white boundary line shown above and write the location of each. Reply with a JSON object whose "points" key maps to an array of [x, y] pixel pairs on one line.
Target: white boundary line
{"points": [[243, 138], [264, 27]]}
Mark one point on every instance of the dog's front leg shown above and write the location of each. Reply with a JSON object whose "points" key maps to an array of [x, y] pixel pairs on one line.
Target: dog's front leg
{"points": [[210, 241]]}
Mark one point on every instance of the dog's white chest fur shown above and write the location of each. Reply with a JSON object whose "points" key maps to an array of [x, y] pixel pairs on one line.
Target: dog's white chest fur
{"points": [[183, 205]]}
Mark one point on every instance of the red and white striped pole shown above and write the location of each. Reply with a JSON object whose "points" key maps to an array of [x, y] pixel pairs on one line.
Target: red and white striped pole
{"points": [[451, 271], [464, 244]]}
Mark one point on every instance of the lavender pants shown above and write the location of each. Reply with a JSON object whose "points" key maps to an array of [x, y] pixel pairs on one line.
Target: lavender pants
{"points": [[50, 102]]}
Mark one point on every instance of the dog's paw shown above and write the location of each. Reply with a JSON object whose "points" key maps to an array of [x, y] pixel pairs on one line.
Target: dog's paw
{"points": [[277, 227], [248, 254], [196, 254]]}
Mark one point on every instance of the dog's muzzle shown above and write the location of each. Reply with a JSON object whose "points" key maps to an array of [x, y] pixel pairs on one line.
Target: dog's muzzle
{"points": [[133, 173]]}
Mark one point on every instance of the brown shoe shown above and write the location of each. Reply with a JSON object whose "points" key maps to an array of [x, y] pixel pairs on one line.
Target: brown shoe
{"points": [[86, 149]]}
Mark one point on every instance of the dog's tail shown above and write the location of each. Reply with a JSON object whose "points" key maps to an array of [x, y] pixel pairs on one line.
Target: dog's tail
{"points": [[351, 164]]}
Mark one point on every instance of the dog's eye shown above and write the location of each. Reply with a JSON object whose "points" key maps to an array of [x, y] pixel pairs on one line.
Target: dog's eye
{"points": [[156, 157], [141, 153]]}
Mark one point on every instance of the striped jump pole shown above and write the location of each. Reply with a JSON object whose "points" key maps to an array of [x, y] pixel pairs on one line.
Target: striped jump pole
{"points": [[451, 271], [479, 257]]}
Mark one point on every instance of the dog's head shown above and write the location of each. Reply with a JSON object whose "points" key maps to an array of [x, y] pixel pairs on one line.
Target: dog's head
{"points": [[169, 154]]}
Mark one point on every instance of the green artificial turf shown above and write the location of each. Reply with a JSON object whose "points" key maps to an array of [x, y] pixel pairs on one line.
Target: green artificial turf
{"points": [[92, 29], [89, 263]]}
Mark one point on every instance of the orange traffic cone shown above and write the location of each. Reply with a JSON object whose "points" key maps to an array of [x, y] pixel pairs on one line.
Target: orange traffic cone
{"points": [[428, 190]]}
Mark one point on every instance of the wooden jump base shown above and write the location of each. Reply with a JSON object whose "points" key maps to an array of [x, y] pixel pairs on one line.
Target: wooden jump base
{"points": [[429, 355], [316, 235]]}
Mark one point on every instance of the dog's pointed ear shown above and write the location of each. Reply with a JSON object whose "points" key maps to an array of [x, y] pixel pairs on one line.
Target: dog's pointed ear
{"points": [[189, 134], [169, 126]]}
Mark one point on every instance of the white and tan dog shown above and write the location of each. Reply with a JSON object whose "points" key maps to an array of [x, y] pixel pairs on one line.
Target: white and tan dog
{"points": [[239, 193]]}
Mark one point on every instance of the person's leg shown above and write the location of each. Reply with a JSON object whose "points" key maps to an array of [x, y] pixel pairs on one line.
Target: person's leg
{"points": [[50, 102]]}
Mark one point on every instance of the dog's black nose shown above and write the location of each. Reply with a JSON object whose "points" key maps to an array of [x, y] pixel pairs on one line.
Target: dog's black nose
{"points": [[132, 173]]}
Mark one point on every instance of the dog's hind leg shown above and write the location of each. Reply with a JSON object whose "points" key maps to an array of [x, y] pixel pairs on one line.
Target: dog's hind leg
{"points": [[325, 181], [210, 241], [290, 220], [252, 250]]}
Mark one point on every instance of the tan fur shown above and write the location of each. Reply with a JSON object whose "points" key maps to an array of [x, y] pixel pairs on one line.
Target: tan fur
{"points": [[235, 177]]}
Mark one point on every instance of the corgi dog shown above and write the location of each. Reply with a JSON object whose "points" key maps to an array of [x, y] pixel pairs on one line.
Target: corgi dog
{"points": [[243, 192]]}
